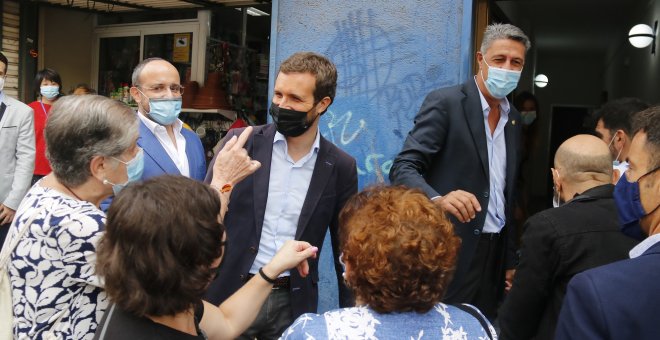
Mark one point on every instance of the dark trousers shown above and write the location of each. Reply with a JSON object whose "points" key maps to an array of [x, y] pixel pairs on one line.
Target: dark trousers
{"points": [[4, 229], [274, 317], [484, 280]]}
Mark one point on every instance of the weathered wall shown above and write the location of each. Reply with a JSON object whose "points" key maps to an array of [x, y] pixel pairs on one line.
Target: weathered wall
{"points": [[389, 55]]}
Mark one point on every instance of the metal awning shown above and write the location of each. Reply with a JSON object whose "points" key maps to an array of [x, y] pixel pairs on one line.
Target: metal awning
{"points": [[117, 6]]}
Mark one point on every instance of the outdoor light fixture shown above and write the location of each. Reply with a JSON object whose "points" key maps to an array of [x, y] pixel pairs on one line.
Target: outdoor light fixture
{"points": [[541, 80], [254, 12], [642, 35]]}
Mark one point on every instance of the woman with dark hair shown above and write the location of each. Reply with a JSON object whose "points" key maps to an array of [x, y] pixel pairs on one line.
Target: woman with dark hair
{"points": [[162, 246], [49, 83], [399, 254]]}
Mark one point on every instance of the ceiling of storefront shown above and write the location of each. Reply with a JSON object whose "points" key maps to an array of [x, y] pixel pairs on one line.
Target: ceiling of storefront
{"points": [[115, 6]]}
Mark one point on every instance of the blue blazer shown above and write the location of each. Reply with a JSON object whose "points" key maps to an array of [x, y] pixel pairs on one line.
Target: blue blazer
{"points": [[334, 180], [616, 301], [157, 162]]}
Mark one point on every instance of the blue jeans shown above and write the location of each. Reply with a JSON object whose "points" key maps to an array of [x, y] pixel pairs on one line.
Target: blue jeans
{"points": [[273, 318]]}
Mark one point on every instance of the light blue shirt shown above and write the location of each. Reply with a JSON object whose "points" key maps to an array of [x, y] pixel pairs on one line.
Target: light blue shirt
{"points": [[495, 217], [287, 190]]}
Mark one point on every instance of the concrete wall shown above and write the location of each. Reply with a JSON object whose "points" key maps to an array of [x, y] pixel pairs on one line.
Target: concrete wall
{"points": [[630, 71], [65, 44], [389, 55]]}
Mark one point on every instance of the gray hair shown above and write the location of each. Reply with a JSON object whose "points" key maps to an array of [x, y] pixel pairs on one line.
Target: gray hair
{"points": [[503, 31], [138, 69], [82, 127]]}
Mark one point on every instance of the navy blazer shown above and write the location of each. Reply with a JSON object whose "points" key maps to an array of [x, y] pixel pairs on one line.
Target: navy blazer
{"points": [[616, 301], [158, 162], [445, 151], [333, 182]]}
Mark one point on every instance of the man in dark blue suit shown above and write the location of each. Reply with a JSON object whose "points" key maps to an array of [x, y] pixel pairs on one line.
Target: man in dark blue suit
{"points": [[303, 183], [620, 300], [464, 152], [168, 147]]}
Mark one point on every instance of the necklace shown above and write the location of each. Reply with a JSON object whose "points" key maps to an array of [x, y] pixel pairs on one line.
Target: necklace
{"points": [[71, 191]]}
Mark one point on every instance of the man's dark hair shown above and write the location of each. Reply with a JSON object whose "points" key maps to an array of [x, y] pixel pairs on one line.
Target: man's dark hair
{"points": [[4, 60], [321, 67], [161, 240], [648, 121], [617, 114]]}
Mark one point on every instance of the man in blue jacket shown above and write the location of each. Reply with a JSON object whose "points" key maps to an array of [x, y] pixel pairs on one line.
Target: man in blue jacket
{"points": [[620, 300]]}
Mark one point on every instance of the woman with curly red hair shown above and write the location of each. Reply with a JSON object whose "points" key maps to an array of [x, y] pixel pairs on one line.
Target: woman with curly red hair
{"points": [[399, 253]]}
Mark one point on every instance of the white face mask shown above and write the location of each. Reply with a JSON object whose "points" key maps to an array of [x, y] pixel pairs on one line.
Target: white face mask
{"points": [[616, 162], [2, 83], [556, 194]]}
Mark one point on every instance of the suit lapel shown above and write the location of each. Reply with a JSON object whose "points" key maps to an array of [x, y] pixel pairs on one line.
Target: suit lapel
{"points": [[475, 119], [325, 163], [511, 150], [262, 151], [155, 150]]}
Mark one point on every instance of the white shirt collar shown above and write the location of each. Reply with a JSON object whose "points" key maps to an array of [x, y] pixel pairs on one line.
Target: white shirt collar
{"points": [[643, 246], [504, 103], [315, 146], [152, 126]]}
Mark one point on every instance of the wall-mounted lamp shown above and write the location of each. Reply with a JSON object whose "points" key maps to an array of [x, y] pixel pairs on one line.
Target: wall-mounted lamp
{"points": [[541, 80], [642, 35]]}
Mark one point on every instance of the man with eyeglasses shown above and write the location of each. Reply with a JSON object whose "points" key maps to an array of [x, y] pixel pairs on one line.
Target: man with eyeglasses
{"points": [[17, 152], [463, 152], [168, 147]]}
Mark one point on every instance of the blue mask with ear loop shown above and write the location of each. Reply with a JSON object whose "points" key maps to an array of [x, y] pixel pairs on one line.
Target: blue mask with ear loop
{"points": [[164, 111], [629, 206], [134, 169], [500, 81]]}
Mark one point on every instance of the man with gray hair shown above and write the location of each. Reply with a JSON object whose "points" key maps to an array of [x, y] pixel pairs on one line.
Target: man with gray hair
{"points": [[582, 233], [463, 151]]}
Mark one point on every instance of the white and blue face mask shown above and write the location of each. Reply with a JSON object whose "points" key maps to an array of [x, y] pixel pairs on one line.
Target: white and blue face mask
{"points": [[49, 91], [134, 169], [500, 81], [163, 111]]}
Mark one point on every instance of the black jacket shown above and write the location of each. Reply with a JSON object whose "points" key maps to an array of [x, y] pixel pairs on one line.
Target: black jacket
{"points": [[557, 244]]}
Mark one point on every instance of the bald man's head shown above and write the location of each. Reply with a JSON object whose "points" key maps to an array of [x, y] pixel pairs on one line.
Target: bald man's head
{"points": [[583, 158]]}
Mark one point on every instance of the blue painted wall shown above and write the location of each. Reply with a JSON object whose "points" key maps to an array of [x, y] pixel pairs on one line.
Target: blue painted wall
{"points": [[389, 55]]}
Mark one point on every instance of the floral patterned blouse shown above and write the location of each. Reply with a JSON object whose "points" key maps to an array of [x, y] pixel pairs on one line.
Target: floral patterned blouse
{"points": [[362, 323], [52, 268]]}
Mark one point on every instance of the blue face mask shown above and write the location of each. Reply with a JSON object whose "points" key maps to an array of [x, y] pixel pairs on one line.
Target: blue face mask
{"points": [[500, 81], [164, 111], [134, 169], [629, 206], [49, 91], [528, 117]]}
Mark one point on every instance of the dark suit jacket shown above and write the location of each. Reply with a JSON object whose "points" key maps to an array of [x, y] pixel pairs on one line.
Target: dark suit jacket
{"points": [[616, 301], [446, 150], [158, 162], [557, 244], [334, 180]]}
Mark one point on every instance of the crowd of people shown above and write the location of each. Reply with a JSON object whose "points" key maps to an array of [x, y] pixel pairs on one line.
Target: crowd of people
{"points": [[117, 228]]}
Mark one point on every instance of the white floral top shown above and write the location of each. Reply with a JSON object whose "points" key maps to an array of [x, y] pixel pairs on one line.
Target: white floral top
{"points": [[52, 268], [362, 323]]}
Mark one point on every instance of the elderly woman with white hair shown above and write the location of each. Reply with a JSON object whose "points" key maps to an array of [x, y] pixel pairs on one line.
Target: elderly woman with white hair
{"points": [[91, 146]]}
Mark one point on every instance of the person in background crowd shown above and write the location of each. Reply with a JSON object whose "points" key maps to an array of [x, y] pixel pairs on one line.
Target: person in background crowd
{"points": [[16, 152], [82, 88], [463, 152], [399, 253], [298, 194], [49, 83], [528, 106], [613, 126], [155, 277], [620, 300], [581, 233]]}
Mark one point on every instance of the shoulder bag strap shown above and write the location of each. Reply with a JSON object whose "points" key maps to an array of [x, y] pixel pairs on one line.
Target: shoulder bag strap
{"points": [[477, 315]]}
